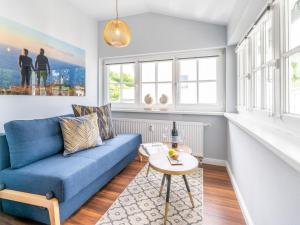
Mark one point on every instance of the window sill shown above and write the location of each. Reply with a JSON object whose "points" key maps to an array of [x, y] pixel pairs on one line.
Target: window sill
{"points": [[168, 112], [282, 142]]}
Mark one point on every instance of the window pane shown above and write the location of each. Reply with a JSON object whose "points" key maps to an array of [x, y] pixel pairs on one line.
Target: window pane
{"points": [[294, 84], [240, 89], [188, 93], [294, 21], [188, 70], [257, 90], [148, 89], [207, 68], [240, 64], [127, 93], [114, 92], [257, 48], [269, 40], [248, 96], [208, 92], [269, 88], [246, 59], [114, 73], [166, 89], [148, 72], [164, 72], [128, 73]]}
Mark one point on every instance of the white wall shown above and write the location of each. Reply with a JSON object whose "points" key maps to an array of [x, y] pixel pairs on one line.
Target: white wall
{"points": [[62, 21], [270, 187], [153, 33], [244, 14]]}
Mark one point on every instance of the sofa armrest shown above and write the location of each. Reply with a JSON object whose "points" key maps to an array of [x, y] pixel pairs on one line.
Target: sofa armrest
{"points": [[4, 153]]}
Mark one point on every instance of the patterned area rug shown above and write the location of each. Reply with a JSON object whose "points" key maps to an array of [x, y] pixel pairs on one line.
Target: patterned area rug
{"points": [[140, 203]]}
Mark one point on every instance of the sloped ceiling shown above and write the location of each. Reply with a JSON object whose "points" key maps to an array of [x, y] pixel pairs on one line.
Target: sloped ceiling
{"points": [[211, 11]]}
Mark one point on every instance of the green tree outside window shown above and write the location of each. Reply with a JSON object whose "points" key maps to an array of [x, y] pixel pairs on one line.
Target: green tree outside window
{"points": [[114, 87]]}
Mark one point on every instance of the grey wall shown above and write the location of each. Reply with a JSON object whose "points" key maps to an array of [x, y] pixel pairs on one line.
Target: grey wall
{"points": [[244, 14], [154, 33], [270, 187], [62, 21], [231, 79]]}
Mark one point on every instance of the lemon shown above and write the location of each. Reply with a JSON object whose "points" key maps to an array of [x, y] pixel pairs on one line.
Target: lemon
{"points": [[172, 152]]}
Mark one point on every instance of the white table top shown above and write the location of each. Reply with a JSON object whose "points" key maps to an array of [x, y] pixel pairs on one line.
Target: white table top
{"points": [[161, 163], [181, 148]]}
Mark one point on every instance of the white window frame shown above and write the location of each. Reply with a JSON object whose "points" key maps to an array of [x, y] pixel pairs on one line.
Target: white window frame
{"points": [[174, 56], [219, 105], [250, 75], [106, 87], [245, 76], [122, 82], [280, 107], [156, 82], [285, 54]]}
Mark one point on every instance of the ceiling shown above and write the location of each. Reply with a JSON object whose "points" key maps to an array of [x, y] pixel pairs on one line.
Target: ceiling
{"points": [[211, 11]]}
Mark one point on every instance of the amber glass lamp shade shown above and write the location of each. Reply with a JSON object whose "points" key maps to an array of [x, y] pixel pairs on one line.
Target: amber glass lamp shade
{"points": [[117, 33]]}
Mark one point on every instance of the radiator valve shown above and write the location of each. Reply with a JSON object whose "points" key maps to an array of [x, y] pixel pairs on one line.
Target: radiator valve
{"points": [[151, 128]]}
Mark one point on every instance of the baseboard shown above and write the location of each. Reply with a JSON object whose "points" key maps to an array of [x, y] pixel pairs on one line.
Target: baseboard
{"points": [[216, 162], [239, 196]]}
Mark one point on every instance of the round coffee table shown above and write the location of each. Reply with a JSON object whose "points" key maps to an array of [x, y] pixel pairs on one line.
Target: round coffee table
{"points": [[144, 155], [161, 163]]}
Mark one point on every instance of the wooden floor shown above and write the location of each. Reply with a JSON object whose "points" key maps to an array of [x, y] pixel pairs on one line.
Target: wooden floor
{"points": [[220, 203]]}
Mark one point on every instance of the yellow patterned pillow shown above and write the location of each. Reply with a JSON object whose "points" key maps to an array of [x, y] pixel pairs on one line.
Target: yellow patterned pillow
{"points": [[105, 123], [80, 133]]}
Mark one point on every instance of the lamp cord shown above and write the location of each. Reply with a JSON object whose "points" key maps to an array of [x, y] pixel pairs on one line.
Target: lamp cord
{"points": [[117, 13]]}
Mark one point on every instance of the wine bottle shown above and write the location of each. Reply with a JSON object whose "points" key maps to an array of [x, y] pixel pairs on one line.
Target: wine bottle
{"points": [[174, 135]]}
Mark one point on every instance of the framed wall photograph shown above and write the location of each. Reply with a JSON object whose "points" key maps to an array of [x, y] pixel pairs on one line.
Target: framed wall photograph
{"points": [[34, 63]]}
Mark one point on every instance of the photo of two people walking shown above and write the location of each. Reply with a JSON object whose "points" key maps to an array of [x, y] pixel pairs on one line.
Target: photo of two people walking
{"points": [[41, 67]]}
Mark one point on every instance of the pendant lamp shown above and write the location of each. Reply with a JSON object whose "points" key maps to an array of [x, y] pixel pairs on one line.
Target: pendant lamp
{"points": [[116, 32]]}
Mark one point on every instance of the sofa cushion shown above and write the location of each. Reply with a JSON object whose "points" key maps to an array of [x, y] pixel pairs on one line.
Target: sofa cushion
{"points": [[112, 150], [32, 140], [66, 176]]}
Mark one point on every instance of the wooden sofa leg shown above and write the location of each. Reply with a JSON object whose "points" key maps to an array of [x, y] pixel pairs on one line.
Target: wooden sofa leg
{"points": [[54, 212], [37, 200]]}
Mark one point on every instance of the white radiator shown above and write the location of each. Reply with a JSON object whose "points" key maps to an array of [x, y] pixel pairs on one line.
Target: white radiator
{"points": [[191, 133]]}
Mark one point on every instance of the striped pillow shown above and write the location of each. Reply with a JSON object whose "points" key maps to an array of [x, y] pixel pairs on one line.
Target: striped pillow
{"points": [[105, 123], [80, 133]]}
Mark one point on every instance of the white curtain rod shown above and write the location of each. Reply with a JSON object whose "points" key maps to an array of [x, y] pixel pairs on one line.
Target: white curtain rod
{"points": [[263, 12]]}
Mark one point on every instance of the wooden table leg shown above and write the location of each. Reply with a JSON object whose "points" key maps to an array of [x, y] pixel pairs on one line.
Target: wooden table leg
{"points": [[188, 189], [148, 169], [162, 184], [141, 158], [167, 198]]}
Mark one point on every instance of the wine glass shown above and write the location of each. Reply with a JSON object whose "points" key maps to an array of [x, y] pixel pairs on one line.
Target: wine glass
{"points": [[181, 138], [165, 135]]}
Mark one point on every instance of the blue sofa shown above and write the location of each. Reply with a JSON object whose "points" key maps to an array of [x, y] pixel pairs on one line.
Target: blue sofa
{"points": [[31, 161]]}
